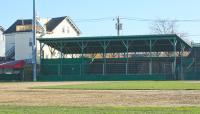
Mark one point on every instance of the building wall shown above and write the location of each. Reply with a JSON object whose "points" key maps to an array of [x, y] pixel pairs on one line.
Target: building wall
{"points": [[64, 29], [21, 41], [2, 44], [9, 41], [58, 32], [23, 45]]}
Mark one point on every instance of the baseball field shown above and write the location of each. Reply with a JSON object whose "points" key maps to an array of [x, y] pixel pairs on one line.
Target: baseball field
{"points": [[123, 97]]}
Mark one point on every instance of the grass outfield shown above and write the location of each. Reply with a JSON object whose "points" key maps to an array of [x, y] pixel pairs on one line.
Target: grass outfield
{"points": [[130, 85], [97, 110]]}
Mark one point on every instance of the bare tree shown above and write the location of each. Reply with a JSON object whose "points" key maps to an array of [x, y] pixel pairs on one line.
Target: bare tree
{"points": [[163, 27], [166, 27]]}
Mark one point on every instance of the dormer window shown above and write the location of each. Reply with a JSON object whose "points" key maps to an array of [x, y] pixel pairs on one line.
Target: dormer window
{"points": [[63, 30], [23, 28]]}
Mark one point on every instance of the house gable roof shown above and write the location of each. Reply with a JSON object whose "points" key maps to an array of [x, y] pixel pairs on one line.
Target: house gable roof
{"points": [[54, 22], [74, 26], [12, 28], [1, 29], [50, 26]]}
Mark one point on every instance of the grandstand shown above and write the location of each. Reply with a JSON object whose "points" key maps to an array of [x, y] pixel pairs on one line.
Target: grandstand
{"points": [[134, 57]]}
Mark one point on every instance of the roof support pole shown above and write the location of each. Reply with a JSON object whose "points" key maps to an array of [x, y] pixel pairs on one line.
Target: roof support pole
{"points": [[52, 51], [82, 51], [127, 59], [41, 54], [61, 59], [104, 44], [174, 66], [182, 52], [104, 57], [126, 44], [195, 59], [150, 63], [82, 46]]}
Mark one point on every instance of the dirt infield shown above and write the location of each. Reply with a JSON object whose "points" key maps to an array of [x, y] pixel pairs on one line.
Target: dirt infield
{"points": [[21, 94]]}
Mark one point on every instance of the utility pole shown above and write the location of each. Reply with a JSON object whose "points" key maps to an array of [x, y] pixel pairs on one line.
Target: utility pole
{"points": [[34, 45], [118, 26]]}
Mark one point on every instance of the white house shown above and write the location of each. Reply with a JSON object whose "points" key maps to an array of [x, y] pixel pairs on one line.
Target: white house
{"points": [[18, 37], [2, 42]]}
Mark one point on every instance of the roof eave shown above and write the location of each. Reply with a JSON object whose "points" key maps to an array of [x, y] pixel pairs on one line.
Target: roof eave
{"points": [[74, 25]]}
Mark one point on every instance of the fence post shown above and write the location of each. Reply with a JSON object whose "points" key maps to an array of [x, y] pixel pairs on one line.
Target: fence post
{"points": [[103, 69], [59, 73], [126, 68], [80, 65]]}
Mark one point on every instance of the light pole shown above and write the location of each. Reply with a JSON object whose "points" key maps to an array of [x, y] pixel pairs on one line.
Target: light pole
{"points": [[34, 45]]}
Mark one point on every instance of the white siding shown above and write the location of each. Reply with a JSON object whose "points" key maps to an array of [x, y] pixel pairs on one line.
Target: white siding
{"points": [[10, 41], [24, 51], [58, 31], [22, 48], [21, 41], [2, 44]]}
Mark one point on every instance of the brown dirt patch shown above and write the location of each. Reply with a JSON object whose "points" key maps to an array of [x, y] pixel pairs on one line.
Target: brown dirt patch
{"points": [[21, 94]]}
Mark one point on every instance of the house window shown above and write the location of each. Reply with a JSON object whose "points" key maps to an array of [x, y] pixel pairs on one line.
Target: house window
{"points": [[30, 42], [63, 29], [68, 30]]}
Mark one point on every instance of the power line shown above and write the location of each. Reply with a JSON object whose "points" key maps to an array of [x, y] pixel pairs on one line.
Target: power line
{"points": [[175, 20], [135, 19], [196, 35], [94, 19]]}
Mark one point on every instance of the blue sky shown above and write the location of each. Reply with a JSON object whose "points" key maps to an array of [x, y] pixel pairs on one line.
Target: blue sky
{"points": [[79, 10]]}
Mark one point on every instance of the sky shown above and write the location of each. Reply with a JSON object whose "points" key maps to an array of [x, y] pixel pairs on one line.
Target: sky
{"points": [[98, 17]]}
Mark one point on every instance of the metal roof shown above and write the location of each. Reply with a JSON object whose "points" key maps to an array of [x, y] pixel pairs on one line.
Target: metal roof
{"points": [[116, 44]]}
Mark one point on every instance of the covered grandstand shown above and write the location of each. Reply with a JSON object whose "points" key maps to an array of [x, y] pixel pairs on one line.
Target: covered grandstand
{"points": [[134, 57]]}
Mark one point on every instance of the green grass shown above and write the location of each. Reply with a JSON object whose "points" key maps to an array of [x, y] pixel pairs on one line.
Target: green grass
{"points": [[98, 110], [130, 85]]}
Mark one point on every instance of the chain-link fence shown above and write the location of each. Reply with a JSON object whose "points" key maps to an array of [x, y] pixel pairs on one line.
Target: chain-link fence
{"points": [[133, 68], [191, 68]]}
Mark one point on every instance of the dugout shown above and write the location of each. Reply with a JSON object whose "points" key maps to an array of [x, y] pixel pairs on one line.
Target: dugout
{"points": [[133, 57]]}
